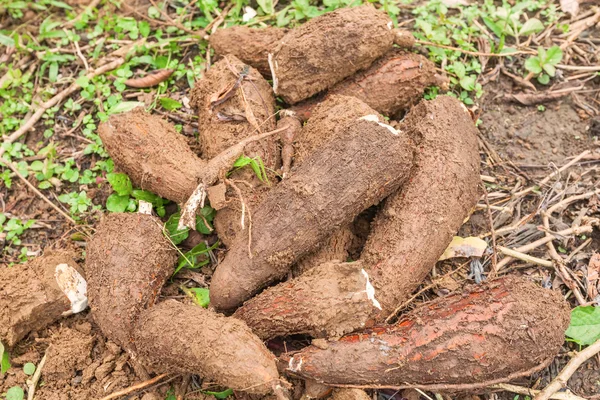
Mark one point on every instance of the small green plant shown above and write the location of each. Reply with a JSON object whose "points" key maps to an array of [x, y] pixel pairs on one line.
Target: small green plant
{"points": [[13, 228], [15, 393], [543, 65], [78, 202], [585, 325], [126, 198], [179, 235], [195, 258], [29, 368], [255, 163]]}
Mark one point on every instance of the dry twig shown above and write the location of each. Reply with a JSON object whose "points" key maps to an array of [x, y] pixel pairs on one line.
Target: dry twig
{"points": [[135, 387]]}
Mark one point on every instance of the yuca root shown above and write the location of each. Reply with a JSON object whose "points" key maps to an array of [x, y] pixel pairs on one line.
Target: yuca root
{"points": [[184, 338], [355, 170], [128, 262], [391, 85], [327, 49], [407, 237], [152, 153], [417, 223], [488, 333], [30, 298], [250, 45], [235, 102]]}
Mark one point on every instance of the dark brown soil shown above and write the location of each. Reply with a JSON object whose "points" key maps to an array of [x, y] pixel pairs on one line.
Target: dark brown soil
{"points": [[128, 262], [528, 137], [152, 154], [489, 332], [417, 223], [327, 49], [251, 45], [30, 298], [174, 337], [347, 175], [249, 111]]}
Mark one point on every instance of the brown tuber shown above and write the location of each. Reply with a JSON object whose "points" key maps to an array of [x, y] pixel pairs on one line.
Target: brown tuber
{"points": [[487, 334], [30, 297], [175, 337], [358, 168], [327, 49], [250, 45], [408, 236], [128, 262]]}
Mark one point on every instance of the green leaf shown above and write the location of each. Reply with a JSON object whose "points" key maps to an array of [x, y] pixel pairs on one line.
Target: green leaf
{"points": [[267, 6], [220, 395], [201, 296], [144, 28], [543, 79], [124, 106], [195, 258], [532, 25], [532, 64], [585, 325], [209, 214], [468, 82], [116, 203], [120, 183], [15, 393], [29, 368], [554, 55], [550, 69], [459, 69], [83, 81], [493, 26], [170, 104], [5, 360], [177, 235], [7, 41]]}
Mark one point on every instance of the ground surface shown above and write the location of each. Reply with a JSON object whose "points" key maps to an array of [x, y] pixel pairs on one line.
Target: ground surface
{"points": [[520, 145]]}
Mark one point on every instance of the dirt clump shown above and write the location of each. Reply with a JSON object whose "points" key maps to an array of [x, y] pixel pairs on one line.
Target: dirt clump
{"points": [[128, 262], [487, 333], [349, 394], [355, 170], [251, 45], [175, 337], [69, 351], [30, 298], [152, 154], [327, 49]]}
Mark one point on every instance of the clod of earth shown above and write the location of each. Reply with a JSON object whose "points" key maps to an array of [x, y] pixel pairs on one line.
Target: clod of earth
{"points": [[128, 262], [250, 45], [490, 333], [409, 234], [30, 297], [358, 168], [327, 49]]}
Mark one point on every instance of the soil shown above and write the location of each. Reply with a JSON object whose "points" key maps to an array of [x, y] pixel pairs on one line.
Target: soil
{"points": [[371, 163], [251, 45], [490, 332], [532, 138], [305, 63]]}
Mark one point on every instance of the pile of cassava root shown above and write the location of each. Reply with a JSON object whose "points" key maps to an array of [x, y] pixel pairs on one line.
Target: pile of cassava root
{"points": [[338, 149]]}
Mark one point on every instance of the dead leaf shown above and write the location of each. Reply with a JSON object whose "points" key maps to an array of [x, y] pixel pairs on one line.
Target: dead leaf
{"points": [[464, 247], [593, 276], [570, 6]]}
